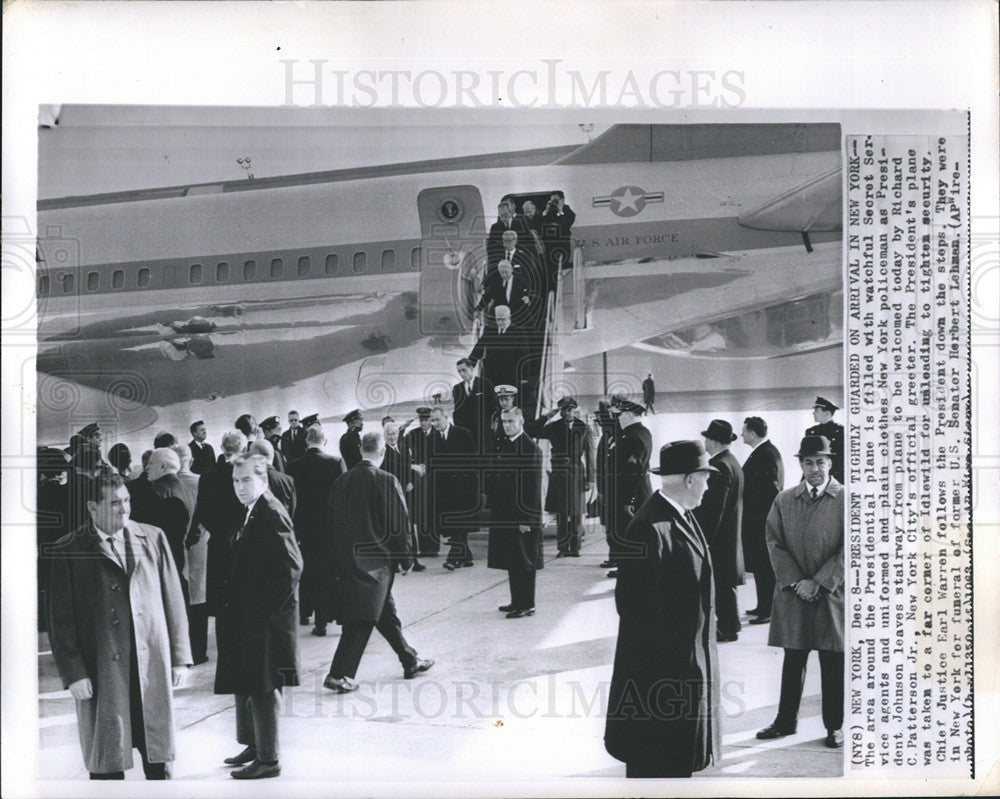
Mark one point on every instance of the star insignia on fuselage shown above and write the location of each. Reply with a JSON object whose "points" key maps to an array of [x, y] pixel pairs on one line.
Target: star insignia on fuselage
{"points": [[628, 201]]}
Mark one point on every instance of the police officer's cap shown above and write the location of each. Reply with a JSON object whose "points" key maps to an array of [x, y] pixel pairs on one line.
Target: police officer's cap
{"points": [[310, 420], [270, 423], [504, 390], [353, 416], [825, 404], [423, 412], [567, 402]]}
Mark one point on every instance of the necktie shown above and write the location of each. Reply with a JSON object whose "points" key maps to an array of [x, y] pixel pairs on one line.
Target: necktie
{"points": [[815, 492], [116, 553], [506, 289]]}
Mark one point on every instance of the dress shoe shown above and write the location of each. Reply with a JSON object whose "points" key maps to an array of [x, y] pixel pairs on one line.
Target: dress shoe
{"points": [[466, 562], [613, 574], [319, 630], [202, 659], [342, 685], [572, 554], [417, 668], [520, 613], [257, 771], [248, 755], [560, 554], [608, 564], [834, 739], [775, 731], [449, 565], [430, 554], [753, 612], [506, 608], [759, 620], [726, 638], [304, 621], [419, 567]]}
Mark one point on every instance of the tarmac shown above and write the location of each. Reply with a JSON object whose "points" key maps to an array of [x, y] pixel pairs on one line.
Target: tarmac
{"points": [[510, 699]]}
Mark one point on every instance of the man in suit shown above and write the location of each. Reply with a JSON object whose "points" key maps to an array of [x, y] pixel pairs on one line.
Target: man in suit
{"points": [[293, 440], [763, 480], [649, 393], [573, 477], [417, 442], [663, 705], [532, 221], [271, 428], [503, 351], [506, 397], [202, 454], [629, 453], [367, 543], [805, 538], [247, 425], [823, 411], [506, 221], [314, 475], [398, 462], [720, 517], [506, 288], [514, 494], [473, 402], [119, 634], [454, 492], [350, 442], [279, 484], [529, 268], [258, 649], [557, 223]]}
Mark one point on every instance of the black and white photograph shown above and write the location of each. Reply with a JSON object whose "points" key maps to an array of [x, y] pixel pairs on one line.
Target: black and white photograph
{"points": [[605, 415]]}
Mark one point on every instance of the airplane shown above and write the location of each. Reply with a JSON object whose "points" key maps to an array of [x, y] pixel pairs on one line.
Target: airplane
{"points": [[326, 291]]}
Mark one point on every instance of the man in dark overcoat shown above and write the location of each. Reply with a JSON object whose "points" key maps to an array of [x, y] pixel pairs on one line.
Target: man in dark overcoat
{"points": [[505, 352], [572, 477], [454, 491], [506, 399], [399, 463], [514, 497], [805, 538], [417, 441], [472, 400], [258, 649], [720, 516], [367, 540], [629, 453], [663, 705], [763, 480], [119, 633], [314, 474]]}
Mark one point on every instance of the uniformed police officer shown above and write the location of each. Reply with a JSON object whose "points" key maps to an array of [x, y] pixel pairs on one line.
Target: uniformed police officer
{"points": [[823, 411], [629, 455]]}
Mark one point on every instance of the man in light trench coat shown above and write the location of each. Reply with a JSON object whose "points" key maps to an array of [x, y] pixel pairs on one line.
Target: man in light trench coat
{"points": [[805, 539], [119, 634]]}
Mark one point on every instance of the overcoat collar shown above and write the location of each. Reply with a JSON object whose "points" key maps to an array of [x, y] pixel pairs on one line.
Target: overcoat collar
{"points": [[833, 488], [686, 524]]}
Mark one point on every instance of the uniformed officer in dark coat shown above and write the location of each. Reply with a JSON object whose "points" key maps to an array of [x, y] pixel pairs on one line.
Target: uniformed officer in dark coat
{"points": [[663, 705], [314, 475], [629, 454], [720, 516], [417, 442], [368, 540], [506, 397], [271, 428], [350, 442], [763, 480], [258, 649], [823, 411], [514, 497], [573, 476]]}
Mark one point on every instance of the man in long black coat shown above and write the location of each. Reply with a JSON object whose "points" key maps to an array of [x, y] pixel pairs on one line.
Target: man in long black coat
{"points": [[720, 516], [572, 477], [473, 403], [399, 463], [350, 442], [314, 475], [453, 491], [367, 541], [418, 441], [514, 494], [258, 650], [504, 352], [763, 480], [629, 453], [663, 705]]}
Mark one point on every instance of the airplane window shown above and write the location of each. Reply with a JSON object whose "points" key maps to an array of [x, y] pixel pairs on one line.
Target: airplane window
{"points": [[194, 276], [93, 281], [249, 270], [117, 278], [388, 260], [331, 263], [169, 274], [303, 266], [276, 267], [360, 262], [142, 279], [43, 286], [222, 272], [416, 256], [68, 283]]}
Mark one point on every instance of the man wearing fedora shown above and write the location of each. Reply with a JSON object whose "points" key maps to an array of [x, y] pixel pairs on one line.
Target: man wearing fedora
{"points": [[629, 453], [720, 516], [823, 411], [805, 538], [663, 705]]}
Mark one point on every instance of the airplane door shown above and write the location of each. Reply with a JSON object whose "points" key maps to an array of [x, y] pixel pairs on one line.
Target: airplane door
{"points": [[453, 231]]}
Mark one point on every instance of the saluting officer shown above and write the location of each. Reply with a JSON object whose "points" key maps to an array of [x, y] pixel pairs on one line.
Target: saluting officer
{"points": [[629, 454], [823, 411]]}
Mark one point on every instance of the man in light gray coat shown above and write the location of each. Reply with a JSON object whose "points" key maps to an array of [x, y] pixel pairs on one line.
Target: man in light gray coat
{"points": [[805, 539], [119, 634]]}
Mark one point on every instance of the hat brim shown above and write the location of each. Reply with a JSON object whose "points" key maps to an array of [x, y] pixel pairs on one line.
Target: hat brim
{"points": [[814, 454], [703, 469], [707, 434]]}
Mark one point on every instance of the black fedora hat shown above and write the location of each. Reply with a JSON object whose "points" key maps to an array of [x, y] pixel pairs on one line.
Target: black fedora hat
{"points": [[720, 430], [683, 457], [814, 445]]}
